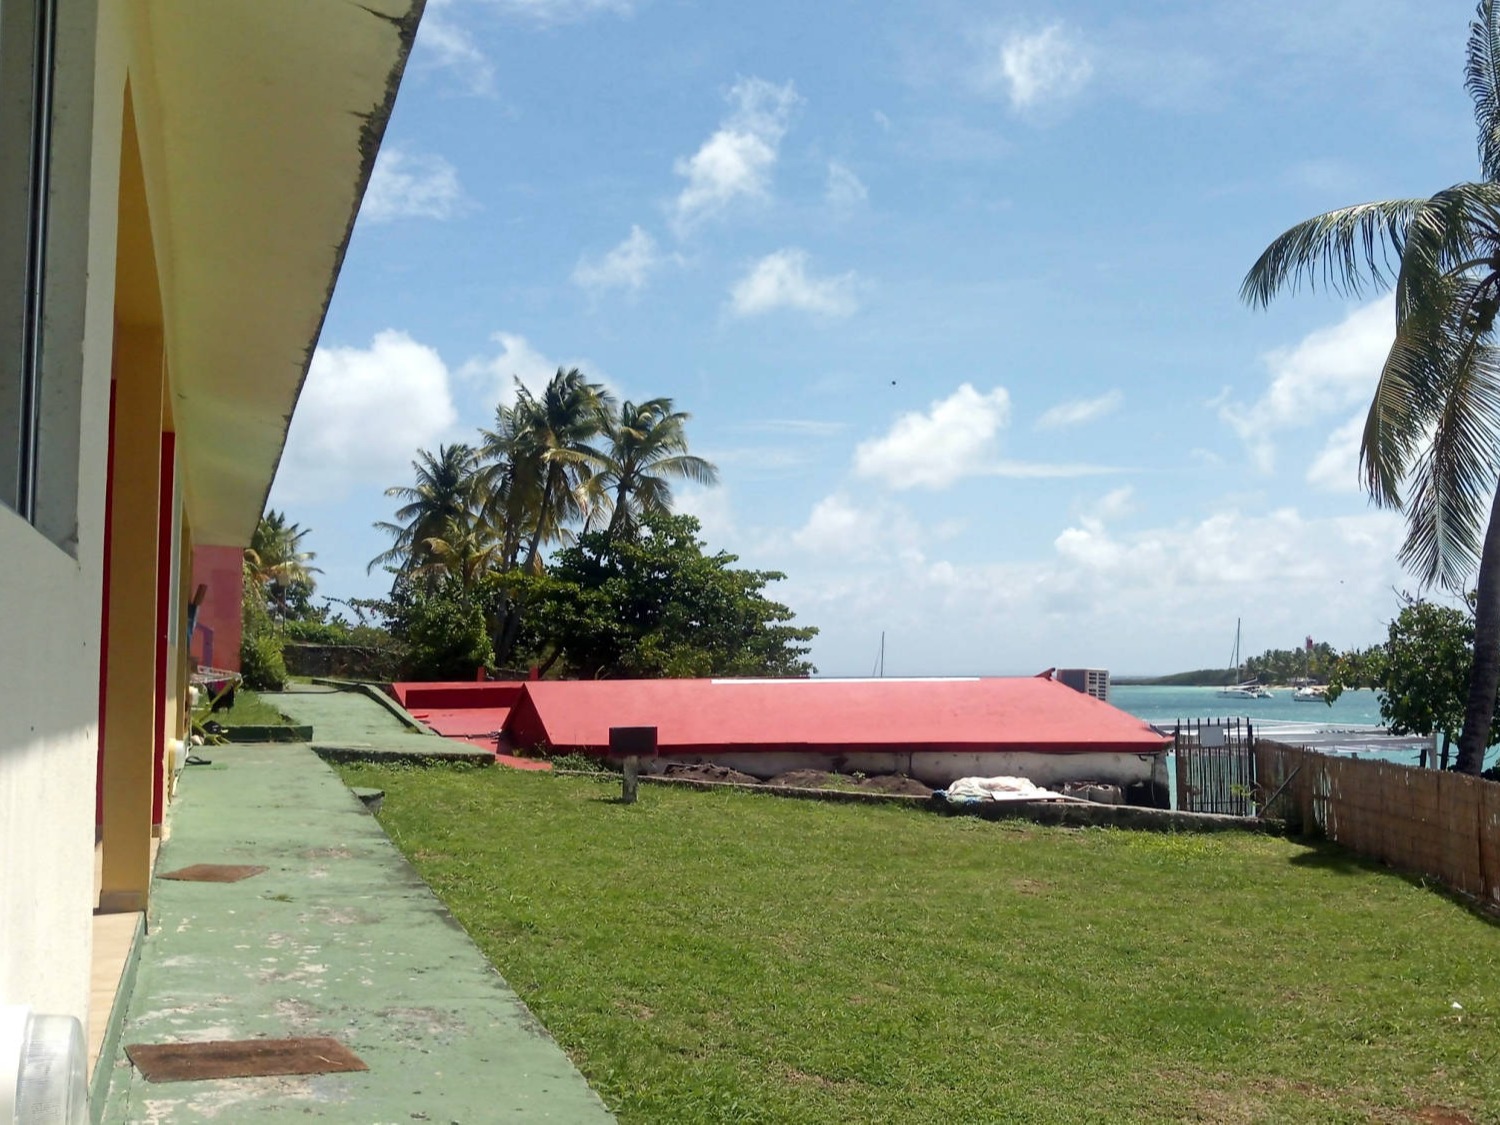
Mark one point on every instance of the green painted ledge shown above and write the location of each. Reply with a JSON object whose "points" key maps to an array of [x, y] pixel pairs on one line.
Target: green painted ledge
{"points": [[279, 733], [104, 1065]]}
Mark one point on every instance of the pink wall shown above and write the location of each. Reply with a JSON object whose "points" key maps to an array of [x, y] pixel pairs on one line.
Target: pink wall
{"points": [[216, 640]]}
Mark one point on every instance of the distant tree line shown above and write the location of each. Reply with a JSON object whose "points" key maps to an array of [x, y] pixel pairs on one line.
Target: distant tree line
{"points": [[1274, 666]]}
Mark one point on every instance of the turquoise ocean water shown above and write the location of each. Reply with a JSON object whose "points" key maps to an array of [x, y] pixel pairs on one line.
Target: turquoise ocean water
{"points": [[1355, 716], [1167, 704]]}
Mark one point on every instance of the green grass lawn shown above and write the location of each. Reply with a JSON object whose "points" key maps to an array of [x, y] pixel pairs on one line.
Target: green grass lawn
{"points": [[250, 710], [728, 957]]}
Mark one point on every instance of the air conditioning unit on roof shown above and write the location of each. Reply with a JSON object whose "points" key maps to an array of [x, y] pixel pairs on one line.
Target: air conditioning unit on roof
{"points": [[1090, 681]]}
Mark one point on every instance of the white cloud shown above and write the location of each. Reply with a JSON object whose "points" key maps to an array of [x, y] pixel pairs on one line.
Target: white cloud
{"points": [[405, 186], [519, 359], [844, 189], [837, 526], [443, 42], [1229, 550], [711, 505], [1327, 372], [560, 11], [1083, 600], [628, 266], [955, 438], [737, 161], [1115, 504], [840, 527], [1079, 411], [362, 416], [807, 427], [1035, 70], [781, 281], [1047, 470], [1336, 467]]}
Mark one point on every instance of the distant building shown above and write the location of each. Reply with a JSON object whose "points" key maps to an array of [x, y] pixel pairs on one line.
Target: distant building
{"points": [[178, 181]]}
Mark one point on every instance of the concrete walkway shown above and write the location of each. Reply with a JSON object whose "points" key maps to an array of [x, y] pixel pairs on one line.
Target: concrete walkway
{"points": [[352, 721], [338, 937]]}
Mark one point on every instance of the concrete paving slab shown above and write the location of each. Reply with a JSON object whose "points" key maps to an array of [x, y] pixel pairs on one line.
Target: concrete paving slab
{"points": [[338, 937], [350, 723]]}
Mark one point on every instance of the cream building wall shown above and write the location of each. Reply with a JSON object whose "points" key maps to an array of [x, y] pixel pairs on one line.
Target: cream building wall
{"points": [[50, 592], [256, 124]]}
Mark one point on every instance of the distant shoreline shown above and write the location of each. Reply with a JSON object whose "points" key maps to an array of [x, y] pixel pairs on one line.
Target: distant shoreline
{"points": [[1193, 679]]}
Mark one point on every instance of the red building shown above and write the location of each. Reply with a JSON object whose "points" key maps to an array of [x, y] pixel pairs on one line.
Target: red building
{"points": [[935, 730]]}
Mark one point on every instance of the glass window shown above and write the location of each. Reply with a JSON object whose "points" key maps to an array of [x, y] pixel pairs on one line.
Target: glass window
{"points": [[27, 36]]}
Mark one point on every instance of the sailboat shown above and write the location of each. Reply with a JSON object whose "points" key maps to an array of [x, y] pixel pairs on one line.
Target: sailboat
{"points": [[1245, 689]]}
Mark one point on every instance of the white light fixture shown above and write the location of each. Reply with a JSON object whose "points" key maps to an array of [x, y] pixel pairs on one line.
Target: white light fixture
{"points": [[43, 1069]]}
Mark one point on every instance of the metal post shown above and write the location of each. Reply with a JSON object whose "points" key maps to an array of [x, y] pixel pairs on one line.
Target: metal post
{"points": [[631, 780], [631, 744]]}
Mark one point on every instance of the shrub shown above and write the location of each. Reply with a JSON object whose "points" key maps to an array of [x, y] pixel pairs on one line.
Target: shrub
{"points": [[262, 664], [585, 763], [446, 639]]}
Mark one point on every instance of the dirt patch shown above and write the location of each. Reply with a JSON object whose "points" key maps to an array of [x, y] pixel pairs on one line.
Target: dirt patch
{"points": [[811, 779], [880, 783], [1440, 1115], [706, 772], [894, 783], [794, 1077]]}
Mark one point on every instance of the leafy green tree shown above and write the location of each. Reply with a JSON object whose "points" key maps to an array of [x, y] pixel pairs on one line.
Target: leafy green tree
{"points": [[442, 627], [647, 449], [658, 606], [1434, 422], [1421, 673]]}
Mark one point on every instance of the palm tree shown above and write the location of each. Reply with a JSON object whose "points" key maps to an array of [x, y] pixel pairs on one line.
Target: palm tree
{"points": [[553, 455], [276, 563], [442, 505], [647, 446], [538, 475], [1434, 422]]}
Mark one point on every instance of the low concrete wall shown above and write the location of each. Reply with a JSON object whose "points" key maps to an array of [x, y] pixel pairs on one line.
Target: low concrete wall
{"points": [[269, 734], [1076, 814], [350, 662]]}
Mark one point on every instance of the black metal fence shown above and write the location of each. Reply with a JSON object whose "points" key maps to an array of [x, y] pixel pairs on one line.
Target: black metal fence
{"points": [[1215, 766]]}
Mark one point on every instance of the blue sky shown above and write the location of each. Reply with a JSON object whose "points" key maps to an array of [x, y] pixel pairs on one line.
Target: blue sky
{"points": [[950, 290]]}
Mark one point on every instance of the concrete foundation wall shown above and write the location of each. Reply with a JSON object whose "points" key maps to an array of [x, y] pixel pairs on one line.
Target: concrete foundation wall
{"points": [[936, 768]]}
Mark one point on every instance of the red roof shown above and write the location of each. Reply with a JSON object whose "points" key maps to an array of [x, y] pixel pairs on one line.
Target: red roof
{"points": [[470, 711], [697, 716]]}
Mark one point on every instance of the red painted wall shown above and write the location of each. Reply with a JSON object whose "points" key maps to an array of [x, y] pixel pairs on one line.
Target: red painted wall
{"points": [[216, 640]]}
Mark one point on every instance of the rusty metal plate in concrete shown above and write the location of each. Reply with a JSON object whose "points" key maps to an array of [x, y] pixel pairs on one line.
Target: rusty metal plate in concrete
{"points": [[241, 1058], [214, 872]]}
